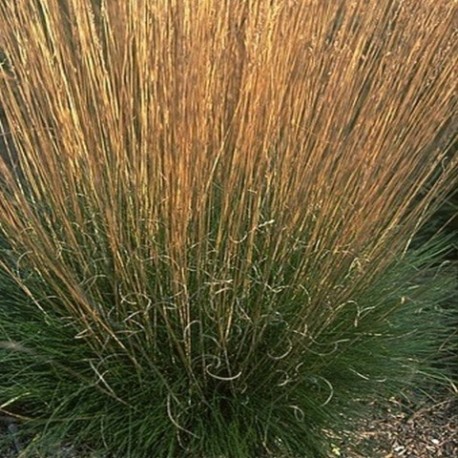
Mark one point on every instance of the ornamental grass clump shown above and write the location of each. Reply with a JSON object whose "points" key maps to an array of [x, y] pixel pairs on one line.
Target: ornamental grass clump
{"points": [[205, 214]]}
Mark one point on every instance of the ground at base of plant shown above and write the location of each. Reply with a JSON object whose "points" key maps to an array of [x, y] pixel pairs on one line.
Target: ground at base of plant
{"points": [[414, 425]]}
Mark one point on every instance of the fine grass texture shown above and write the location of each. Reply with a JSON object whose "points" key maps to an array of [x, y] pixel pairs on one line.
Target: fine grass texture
{"points": [[205, 215]]}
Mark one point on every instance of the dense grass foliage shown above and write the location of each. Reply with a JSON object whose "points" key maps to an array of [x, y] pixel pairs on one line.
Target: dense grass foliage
{"points": [[205, 215], [443, 223]]}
